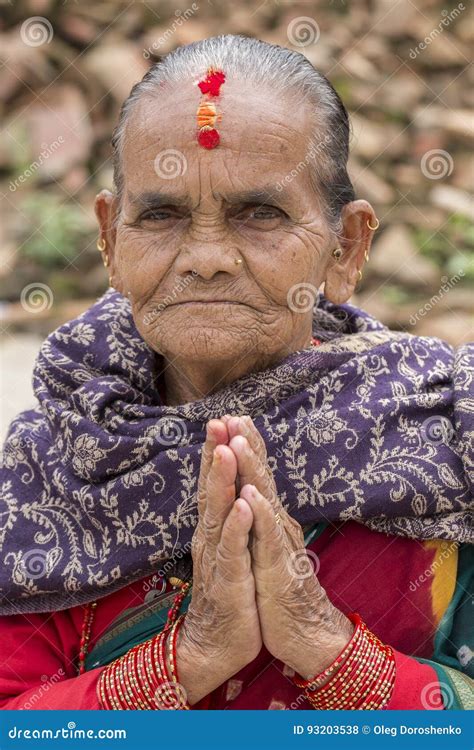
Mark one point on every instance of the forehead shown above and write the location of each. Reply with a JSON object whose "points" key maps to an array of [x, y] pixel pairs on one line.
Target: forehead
{"points": [[264, 136]]}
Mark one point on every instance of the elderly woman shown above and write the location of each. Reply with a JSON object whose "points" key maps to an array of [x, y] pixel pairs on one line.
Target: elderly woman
{"points": [[237, 491]]}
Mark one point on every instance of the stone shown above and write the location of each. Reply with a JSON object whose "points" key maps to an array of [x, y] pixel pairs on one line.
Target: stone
{"points": [[59, 131], [456, 328], [372, 140], [453, 200], [368, 184], [117, 66], [395, 258]]}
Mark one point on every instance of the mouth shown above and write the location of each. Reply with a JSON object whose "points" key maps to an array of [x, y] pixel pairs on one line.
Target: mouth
{"points": [[209, 302]]}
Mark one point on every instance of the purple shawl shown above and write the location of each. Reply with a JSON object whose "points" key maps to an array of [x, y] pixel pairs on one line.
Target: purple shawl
{"points": [[98, 483]]}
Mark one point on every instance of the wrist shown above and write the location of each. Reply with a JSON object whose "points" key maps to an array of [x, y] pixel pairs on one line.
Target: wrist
{"points": [[364, 679], [199, 672], [323, 650]]}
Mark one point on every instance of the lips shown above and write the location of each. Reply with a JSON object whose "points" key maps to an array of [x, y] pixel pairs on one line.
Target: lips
{"points": [[208, 302]]}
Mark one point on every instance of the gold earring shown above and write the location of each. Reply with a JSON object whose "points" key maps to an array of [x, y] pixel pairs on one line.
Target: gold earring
{"points": [[101, 245], [359, 276], [337, 253], [366, 256], [376, 225]]}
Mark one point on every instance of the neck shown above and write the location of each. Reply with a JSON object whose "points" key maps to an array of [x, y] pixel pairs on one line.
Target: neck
{"points": [[190, 380]]}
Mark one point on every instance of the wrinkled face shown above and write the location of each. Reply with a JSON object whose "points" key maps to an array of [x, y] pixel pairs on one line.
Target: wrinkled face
{"points": [[188, 213]]}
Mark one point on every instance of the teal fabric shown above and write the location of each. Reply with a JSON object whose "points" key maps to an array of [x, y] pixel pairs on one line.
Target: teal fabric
{"points": [[453, 655]]}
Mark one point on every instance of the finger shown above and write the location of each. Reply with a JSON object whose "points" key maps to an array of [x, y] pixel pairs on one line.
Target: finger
{"points": [[252, 470], [268, 544], [220, 492], [245, 426], [232, 554], [216, 434]]}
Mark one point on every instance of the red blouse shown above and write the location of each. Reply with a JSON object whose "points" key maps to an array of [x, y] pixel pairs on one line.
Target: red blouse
{"points": [[361, 570]]}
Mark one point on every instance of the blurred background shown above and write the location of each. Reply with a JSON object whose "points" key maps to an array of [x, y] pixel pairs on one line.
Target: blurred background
{"points": [[401, 67]]}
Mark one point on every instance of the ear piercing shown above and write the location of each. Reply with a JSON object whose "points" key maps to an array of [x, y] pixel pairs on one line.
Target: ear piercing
{"points": [[376, 225], [337, 254], [101, 245]]}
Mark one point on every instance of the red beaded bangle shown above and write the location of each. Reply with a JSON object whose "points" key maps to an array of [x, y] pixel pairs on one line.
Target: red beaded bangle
{"points": [[364, 681], [140, 679], [322, 676]]}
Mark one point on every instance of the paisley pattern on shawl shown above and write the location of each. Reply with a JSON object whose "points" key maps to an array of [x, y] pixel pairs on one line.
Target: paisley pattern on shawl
{"points": [[98, 483]]}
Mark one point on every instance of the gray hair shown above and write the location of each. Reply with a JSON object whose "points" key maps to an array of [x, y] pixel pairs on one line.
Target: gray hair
{"points": [[262, 65]]}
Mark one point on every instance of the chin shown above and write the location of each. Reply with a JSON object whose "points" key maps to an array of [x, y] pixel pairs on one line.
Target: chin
{"points": [[204, 334], [212, 344]]}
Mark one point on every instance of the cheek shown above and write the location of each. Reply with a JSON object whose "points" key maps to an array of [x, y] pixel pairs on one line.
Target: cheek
{"points": [[281, 262], [142, 260]]}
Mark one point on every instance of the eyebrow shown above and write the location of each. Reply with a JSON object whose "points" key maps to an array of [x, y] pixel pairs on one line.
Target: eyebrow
{"points": [[155, 199], [266, 195]]}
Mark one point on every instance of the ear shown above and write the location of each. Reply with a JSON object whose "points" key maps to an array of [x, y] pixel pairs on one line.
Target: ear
{"points": [[106, 210], [355, 242]]}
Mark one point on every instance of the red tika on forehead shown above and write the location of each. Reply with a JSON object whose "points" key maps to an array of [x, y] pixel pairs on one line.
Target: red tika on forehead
{"points": [[213, 82], [207, 117]]}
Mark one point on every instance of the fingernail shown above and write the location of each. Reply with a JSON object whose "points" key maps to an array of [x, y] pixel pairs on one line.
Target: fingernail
{"points": [[216, 458]]}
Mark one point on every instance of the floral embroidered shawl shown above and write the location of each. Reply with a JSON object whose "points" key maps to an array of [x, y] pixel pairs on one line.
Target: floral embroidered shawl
{"points": [[98, 482]]}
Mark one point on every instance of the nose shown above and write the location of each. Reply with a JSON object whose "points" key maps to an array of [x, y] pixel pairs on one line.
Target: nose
{"points": [[208, 257]]}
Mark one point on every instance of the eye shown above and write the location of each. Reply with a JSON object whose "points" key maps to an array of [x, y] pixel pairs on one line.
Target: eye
{"points": [[260, 217], [266, 213], [163, 215]]}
